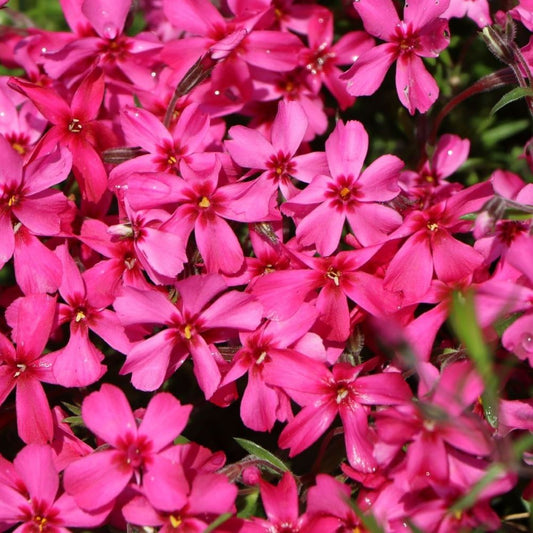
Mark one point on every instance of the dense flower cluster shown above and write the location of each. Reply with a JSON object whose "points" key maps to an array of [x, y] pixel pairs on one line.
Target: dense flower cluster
{"points": [[165, 212]]}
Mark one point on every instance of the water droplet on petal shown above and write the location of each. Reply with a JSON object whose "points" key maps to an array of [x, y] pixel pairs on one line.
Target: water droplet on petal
{"points": [[2, 114], [428, 474], [450, 152], [217, 92], [44, 50], [527, 342], [436, 2], [267, 51], [109, 31]]}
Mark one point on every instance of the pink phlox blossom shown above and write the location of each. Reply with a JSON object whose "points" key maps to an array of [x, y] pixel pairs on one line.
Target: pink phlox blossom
{"points": [[262, 405], [75, 126], [188, 505], [201, 317], [431, 249], [281, 507], [205, 26], [432, 510], [439, 421], [295, 85], [100, 40], [338, 278], [422, 33], [133, 449], [120, 266], [322, 58], [496, 235], [329, 507], [166, 150], [204, 205], [79, 363], [324, 394], [277, 157], [35, 500], [477, 10], [160, 251], [20, 122], [269, 254], [24, 367], [346, 193], [27, 197], [429, 185]]}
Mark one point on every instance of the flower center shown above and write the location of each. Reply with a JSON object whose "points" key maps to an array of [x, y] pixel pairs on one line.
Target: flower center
{"points": [[75, 126], [21, 368], [204, 202], [175, 521], [333, 275], [432, 226], [342, 392], [187, 332]]}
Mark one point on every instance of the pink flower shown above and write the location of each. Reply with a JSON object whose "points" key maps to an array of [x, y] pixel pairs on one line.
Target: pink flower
{"points": [[31, 319], [276, 158], [32, 496], [421, 34], [199, 318], [324, 394], [97, 479], [347, 193], [75, 126]]}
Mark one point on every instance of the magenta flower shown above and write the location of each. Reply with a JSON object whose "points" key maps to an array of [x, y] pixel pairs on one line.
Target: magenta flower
{"points": [[133, 449], [75, 126], [189, 504], [78, 364], [199, 318], [431, 248], [421, 34], [276, 158], [324, 394], [347, 193], [27, 197], [31, 319], [31, 496]]}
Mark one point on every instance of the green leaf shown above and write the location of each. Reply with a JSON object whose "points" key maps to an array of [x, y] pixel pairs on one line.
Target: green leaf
{"points": [[259, 452], [74, 421], [464, 323], [215, 523], [250, 505], [470, 499], [74, 409], [511, 96], [368, 520], [497, 134]]}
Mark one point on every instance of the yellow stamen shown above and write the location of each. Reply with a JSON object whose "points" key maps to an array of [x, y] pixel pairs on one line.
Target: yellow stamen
{"points": [[12, 200], [187, 332], [204, 202], [75, 126], [344, 193], [19, 148], [333, 275], [171, 160], [432, 226], [174, 521], [341, 394], [80, 315]]}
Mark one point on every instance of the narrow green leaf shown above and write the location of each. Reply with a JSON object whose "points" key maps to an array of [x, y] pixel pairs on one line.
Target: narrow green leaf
{"points": [[503, 131], [511, 96], [250, 505], [470, 499], [74, 409], [259, 452], [464, 323], [74, 421], [368, 520], [215, 523]]}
